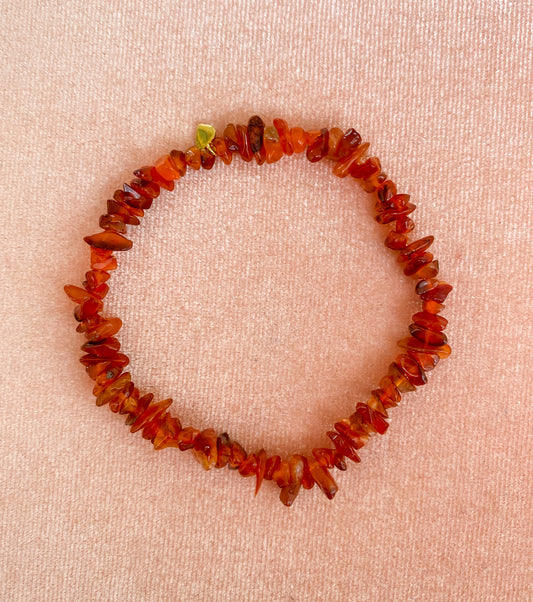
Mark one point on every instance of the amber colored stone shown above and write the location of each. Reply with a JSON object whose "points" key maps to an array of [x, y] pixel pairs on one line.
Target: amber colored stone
{"points": [[110, 241], [428, 270], [319, 148], [221, 150], [284, 136], [113, 389], [377, 402], [167, 433], [427, 336], [238, 455], [395, 241], [117, 403], [102, 259], [146, 188], [354, 428], [98, 291], [371, 418], [207, 159], [390, 395], [403, 225], [120, 359], [362, 171], [432, 307], [335, 136], [324, 456], [260, 471], [104, 365], [205, 448], [391, 215], [245, 150], [386, 191], [271, 466], [187, 437], [127, 213], [282, 475], [344, 165], [150, 414], [177, 159], [248, 467], [255, 130], [438, 293], [430, 321], [307, 478], [105, 379], [323, 479], [426, 285], [411, 369], [396, 201], [442, 351], [223, 450], [230, 138], [134, 199], [193, 158], [77, 294], [344, 445], [139, 407], [418, 262], [296, 468], [348, 144], [130, 402], [104, 329], [113, 222], [166, 168], [416, 248], [272, 145], [426, 361], [298, 139], [144, 173], [106, 348], [96, 278], [261, 155], [401, 382]]}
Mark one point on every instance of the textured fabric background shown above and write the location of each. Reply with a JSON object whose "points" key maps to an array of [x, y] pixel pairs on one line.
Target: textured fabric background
{"points": [[263, 300]]}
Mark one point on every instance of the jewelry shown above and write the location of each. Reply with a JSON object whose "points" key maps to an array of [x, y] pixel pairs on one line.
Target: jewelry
{"points": [[105, 364]]}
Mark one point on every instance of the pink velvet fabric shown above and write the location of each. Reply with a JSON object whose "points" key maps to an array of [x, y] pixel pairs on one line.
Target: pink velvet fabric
{"points": [[263, 300]]}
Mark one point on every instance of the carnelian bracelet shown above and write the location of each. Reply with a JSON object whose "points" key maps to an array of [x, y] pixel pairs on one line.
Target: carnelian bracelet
{"points": [[105, 364]]}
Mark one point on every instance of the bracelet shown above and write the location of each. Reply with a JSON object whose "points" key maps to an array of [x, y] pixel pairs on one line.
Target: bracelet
{"points": [[105, 363]]}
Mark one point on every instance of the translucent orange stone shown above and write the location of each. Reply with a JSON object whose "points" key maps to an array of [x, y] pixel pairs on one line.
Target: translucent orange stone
{"points": [[284, 136], [205, 448], [396, 241], [354, 428], [348, 144], [378, 402], [177, 158], [404, 224], [77, 294], [318, 149], [430, 321], [261, 467], [416, 248], [390, 394], [106, 348], [272, 145], [442, 351], [344, 445], [117, 403], [108, 240], [384, 193], [307, 478], [207, 159], [95, 278], [427, 270], [430, 337], [248, 467], [432, 307], [193, 158], [261, 155], [152, 412], [411, 369], [438, 293], [238, 455], [223, 450], [372, 419], [323, 479], [396, 201], [167, 434], [166, 168], [391, 215], [113, 389], [343, 167], [324, 456], [187, 437], [282, 475], [362, 171], [401, 382], [230, 138], [245, 150], [112, 222], [105, 380], [335, 136], [414, 265], [130, 215], [298, 139], [426, 361], [106, 328], [255, 129], [290, 492], [271, 466], [221, 150]]}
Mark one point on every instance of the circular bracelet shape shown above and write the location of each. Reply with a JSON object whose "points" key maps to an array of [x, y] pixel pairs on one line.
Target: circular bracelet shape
{"points": [[420, 351]]}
